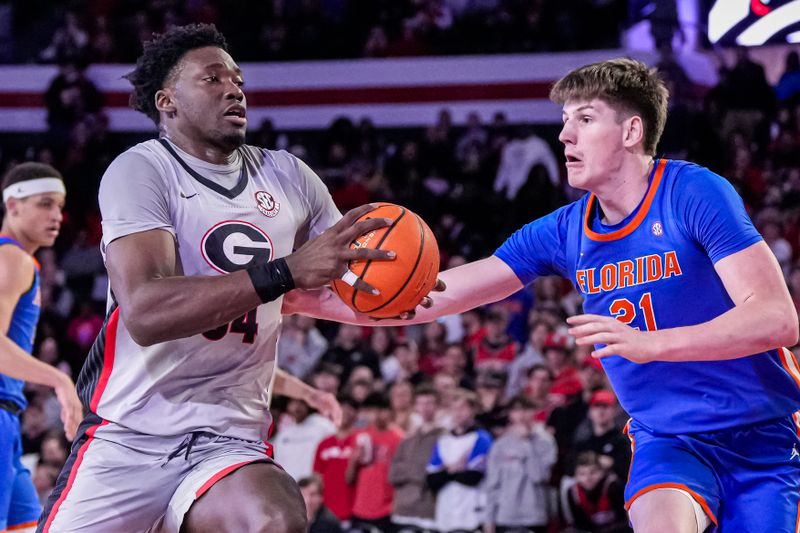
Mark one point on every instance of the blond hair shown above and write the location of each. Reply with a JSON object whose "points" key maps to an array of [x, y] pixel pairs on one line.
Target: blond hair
{"points": [[627, 85]]}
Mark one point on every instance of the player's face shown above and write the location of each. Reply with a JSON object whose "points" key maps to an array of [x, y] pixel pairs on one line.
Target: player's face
{"points": [[39, 217], [208, 98], [593, 142]]}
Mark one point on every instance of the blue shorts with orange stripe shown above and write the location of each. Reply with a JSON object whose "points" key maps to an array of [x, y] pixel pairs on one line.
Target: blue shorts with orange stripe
{"points": [[747, 479], [19, 503]]}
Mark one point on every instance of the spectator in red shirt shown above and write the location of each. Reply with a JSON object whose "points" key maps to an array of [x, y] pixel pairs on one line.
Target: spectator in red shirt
{"points": [[496, 350], [594, 501], [368, 469], [432, 347], [331, 459], [566, 380], [537, 390]]}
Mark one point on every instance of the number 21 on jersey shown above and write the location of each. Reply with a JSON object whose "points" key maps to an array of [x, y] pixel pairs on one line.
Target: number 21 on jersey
{"points": [[625, 311]]}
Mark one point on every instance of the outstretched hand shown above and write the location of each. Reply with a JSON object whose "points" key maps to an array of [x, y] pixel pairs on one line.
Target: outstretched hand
{"points": [[71, 407], [426, 302], [619, 339], [326, 404], [326, 258]]}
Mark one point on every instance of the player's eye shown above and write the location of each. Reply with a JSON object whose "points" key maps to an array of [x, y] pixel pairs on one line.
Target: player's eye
{"points": [[586, 119], [212, 78], [240, 83]]}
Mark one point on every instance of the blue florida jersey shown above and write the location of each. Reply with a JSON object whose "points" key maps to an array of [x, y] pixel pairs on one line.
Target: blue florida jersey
{"points": [[21, 331], [655, 270]]}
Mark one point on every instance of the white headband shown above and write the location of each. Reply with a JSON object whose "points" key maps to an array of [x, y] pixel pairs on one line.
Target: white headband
{"points": [[23, 189]]}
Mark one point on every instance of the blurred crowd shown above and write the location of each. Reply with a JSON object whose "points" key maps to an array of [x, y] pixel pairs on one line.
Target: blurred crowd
{"points": [[110, 31], [491, 418]]}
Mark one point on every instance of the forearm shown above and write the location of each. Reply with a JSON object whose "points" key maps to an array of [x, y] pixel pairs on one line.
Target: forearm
{"points": [[170, 308], [744, 330], [18, 364], [467, 287], [351, 471], [290, 386]]}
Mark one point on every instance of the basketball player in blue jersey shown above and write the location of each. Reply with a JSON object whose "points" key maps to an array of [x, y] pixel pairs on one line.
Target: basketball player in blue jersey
{"points": [[33, 195], [685, 304]]}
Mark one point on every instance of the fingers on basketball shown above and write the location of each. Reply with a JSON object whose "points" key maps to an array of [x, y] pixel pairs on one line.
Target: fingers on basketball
{"points": [[402, 282]]}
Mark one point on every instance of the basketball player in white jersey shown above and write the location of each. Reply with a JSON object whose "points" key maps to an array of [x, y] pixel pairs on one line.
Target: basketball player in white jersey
{"points": [[198, 235]]}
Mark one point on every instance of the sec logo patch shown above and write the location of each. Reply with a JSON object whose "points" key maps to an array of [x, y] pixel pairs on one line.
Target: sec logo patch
{"points": [[658, 229], [267, 204]]}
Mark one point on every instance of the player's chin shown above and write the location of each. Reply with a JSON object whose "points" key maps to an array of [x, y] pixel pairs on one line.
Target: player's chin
{"points": [[579, 178], [47, 240], [233, 139]]}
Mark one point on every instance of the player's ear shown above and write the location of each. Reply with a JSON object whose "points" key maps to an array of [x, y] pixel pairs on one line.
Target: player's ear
{"points": [[165, 102], [633, 131], [12, 205]]}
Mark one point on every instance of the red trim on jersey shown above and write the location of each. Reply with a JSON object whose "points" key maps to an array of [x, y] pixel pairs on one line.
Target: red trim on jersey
{"points": [[108, 359], [72, 475], [680, 486], [219, 475], [637, 220]]}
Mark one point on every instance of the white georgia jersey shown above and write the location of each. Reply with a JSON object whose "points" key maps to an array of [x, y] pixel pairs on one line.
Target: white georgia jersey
{"points": [[223, 218]]}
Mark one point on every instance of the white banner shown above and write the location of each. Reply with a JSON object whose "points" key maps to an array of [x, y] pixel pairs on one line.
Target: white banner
{"points": [[310, 95]]}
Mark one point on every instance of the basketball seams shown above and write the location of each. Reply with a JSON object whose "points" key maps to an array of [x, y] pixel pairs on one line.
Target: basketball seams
{"points": [[413, 271], [369, 262]]}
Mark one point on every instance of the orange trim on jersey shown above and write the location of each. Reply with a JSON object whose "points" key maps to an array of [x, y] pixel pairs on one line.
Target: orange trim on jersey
{"points": [[789, 363], [72, 475], [108, 359], [797, 519], [637, 220], [23, 526], [219, 475], [627, 431], [796, 418], [680, 486]]}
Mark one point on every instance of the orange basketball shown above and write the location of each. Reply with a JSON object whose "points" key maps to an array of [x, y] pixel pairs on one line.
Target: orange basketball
{"points": [[402, 281]]}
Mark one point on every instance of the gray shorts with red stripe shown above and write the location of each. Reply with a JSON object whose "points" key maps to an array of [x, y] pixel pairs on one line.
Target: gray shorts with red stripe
{"points": [[117, 480]]}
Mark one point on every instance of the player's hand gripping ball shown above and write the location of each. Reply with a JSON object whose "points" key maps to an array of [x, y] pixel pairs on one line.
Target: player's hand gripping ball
{"points": [[403, 281]]}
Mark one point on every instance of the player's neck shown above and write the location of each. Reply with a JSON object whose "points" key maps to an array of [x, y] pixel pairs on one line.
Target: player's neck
{"points": [[621, 194], [27, 245], [201, 150]]}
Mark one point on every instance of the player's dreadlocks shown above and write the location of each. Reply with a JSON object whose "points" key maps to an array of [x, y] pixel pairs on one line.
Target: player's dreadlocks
{"points": [[159, 58]]}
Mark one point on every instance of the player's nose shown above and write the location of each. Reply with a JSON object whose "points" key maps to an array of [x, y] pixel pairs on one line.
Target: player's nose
{"points": [[235, 92], [567, 134]]}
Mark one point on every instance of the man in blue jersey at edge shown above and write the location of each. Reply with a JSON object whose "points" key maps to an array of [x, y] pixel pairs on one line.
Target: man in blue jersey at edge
{"points": [[684, 302], [33, 196]]}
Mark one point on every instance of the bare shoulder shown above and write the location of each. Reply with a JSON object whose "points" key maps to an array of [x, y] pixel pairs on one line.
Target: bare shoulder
{"points": [[16, 270]]}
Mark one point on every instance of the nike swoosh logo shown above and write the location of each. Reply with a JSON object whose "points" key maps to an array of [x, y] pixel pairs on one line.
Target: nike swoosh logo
{"points": [[187, 197]]}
